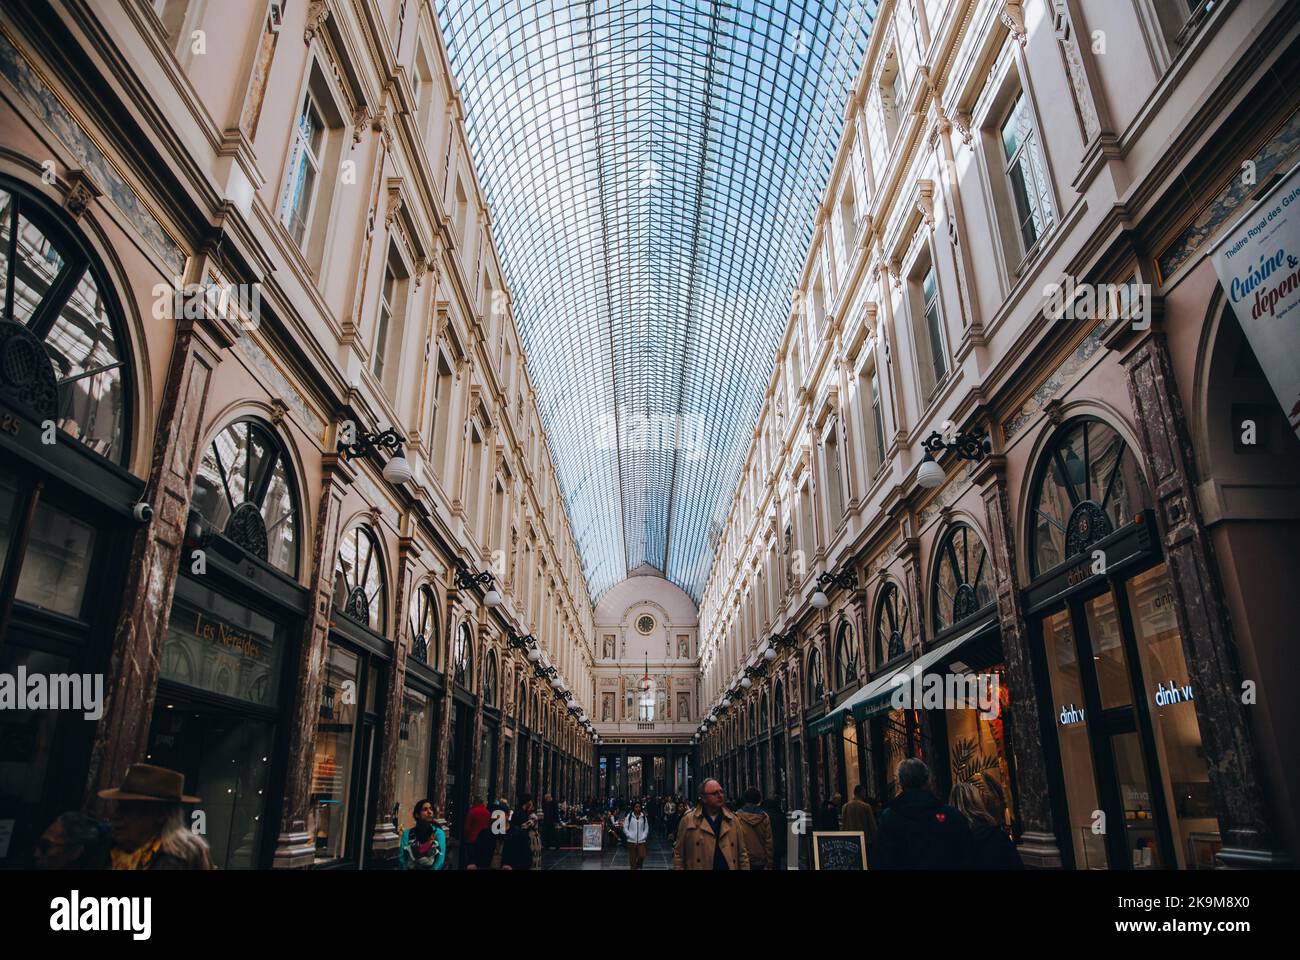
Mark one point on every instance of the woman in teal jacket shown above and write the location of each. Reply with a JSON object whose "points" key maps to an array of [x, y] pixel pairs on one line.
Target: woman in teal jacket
{"points": [[423, 846]]}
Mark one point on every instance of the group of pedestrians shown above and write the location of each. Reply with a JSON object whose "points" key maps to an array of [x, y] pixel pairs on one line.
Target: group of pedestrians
{"points": [[918, 831]]}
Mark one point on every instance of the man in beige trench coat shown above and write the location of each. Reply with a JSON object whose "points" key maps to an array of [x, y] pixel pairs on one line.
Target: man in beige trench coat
{"points": [[709, 836]]}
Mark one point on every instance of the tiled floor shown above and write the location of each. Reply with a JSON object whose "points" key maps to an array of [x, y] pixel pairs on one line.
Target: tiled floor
{"points": [[658, 856]]}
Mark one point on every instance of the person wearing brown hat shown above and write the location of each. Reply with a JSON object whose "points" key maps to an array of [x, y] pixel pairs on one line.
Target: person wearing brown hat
{"points": [[150, 831]]}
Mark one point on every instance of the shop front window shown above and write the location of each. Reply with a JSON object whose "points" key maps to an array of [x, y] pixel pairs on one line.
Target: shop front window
{"points": [[336, 736], [226, 760], [462, 657], [243, 490], [816, 679], [1069, 716], [1106, 637], [414, 748], [977, 746], [56, 566], [1169, 693]]}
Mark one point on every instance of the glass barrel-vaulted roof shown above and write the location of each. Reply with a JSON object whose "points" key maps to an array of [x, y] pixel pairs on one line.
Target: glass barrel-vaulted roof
{"points": [[652, 169]]}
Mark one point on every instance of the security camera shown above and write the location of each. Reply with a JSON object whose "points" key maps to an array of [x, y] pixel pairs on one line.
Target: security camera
{"points": [[142, 511]]}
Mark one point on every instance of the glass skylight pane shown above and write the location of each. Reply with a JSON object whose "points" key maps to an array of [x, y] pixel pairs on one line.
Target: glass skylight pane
{"points": [[653, 170]]}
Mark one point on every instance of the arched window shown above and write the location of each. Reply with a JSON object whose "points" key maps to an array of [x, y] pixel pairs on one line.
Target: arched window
{"points": [[61, 337], [243, 490], [762, 712], [963, 578], [893, 623], [462, 656], [846, 656], [816, 678], [521, 704], [424, 627], [1088, 485], [359, 580], [490, 682]]}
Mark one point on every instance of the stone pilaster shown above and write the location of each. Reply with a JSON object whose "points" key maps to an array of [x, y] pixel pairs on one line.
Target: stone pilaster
{"points": [[121, 736], [1245, 821], [384, 839], [295, 847], [1038, 842]]}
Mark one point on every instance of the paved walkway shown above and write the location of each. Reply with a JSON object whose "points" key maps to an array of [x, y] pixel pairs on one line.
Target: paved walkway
{"points": [[658, 856]]}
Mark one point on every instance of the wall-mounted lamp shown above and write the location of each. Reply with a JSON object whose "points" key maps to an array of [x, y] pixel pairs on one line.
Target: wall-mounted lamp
{"points": [[968, 446], [465, 579], [396, 471], [845, 580], [783, 641]]}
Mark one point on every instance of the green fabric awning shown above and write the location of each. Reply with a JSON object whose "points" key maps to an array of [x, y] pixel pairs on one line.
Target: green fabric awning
{"points": [[875, 697]]}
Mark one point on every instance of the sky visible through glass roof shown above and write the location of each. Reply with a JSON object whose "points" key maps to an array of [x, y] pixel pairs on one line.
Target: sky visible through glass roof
{"points": [[653, 170]]}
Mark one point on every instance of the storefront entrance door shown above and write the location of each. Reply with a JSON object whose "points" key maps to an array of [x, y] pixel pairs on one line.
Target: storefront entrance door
{"points": [[1135, 788]]}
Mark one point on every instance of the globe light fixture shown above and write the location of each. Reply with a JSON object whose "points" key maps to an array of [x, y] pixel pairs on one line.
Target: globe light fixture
{"points": [[746, 682], [930, 475], [769, 653], [397, 470]]}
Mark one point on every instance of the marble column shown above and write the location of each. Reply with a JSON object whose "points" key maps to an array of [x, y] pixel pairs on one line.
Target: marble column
{"points": [[131, 680], [296, 847], [1038, 841], [384, 839]]}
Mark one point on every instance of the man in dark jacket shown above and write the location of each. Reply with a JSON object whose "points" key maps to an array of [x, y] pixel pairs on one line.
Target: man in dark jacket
{"points": [[550, 821], [780, 831], [917, 831], [828, 814]]}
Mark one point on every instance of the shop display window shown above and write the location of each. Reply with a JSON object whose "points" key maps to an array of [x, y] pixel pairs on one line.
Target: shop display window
{"points": [[1106, 637], [56, 566], [1069, 716], [977, 747], [414, 749], [336, 735], [1170, 701], [226, 760]]}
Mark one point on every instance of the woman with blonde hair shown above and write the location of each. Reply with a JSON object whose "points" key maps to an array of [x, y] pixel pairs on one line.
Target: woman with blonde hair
{"points": [[992, 849]]}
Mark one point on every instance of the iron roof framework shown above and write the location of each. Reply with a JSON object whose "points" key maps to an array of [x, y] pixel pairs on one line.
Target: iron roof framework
{"points": [[652, 169]]}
